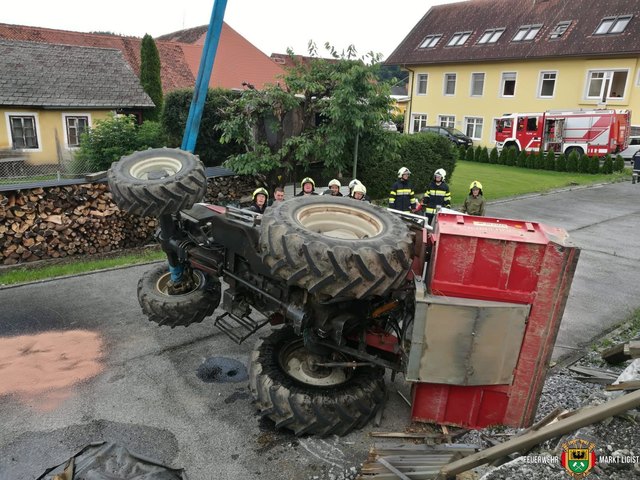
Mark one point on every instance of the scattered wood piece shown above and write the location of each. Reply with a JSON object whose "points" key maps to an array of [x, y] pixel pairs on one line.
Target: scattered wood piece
{"points": [[615, 354], [632, 349], [586, 416], [594, 375], [630, 385], [403, 397]]}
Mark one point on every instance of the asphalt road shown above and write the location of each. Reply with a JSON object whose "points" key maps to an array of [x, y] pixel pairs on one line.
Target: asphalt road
{"points": [[79, 363]]}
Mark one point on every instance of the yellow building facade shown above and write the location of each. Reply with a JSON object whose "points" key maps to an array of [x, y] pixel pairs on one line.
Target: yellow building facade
{"points": [[471, 97], [53, 135]]}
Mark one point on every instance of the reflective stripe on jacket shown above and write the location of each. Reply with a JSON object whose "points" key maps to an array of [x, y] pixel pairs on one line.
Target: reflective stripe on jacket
{"points": [[436, 196], [402, 196]]}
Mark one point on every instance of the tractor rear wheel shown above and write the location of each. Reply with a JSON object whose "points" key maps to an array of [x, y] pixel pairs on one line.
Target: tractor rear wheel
{"points": [[157, 181], [297, 394], [193, 305], [337, 247]]}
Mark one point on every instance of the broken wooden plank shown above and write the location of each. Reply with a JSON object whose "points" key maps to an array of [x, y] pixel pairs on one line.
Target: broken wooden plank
{"points": [[405, 435], [632, 349], [585, 417], [630, 385], [615, 354], [393, 469], [593, 372]]}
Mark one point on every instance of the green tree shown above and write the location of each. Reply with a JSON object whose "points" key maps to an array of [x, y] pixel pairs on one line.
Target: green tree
{"points": [[572, 161], [512, 154], [607, 165], [523, 160], [113, 138], [561, 163], [583, 163], [150, 76], [317, 114], [618, 164], [550, 160], [494, 156], [594, 164], [470, 156], [462, 150], [484, 155], [502, 158]]}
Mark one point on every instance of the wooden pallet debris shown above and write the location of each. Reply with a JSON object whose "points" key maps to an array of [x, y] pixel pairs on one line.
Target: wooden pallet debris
{"points": [[622, 352], [594, 375], [583, 417], [388, 461]]}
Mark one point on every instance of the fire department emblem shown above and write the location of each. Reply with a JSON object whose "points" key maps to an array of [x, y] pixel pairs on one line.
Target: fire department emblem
{"points": [[578, 457]]}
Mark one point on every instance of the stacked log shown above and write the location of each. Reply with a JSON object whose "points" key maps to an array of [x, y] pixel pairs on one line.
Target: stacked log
{"points": [[61, 221], [57, 222]]}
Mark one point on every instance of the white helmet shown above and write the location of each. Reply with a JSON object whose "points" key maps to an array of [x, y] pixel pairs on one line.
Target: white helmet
{"points": [[353, 183], [442, 172], [402, 171], [360, 188], [335, 182]]}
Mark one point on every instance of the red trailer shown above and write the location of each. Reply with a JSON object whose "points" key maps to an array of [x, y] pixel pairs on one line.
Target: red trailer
{"points": [[594, 132]]}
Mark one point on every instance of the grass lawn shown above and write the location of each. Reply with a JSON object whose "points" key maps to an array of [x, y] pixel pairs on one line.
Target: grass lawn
{"points": [[75, 265], [499, 181]]}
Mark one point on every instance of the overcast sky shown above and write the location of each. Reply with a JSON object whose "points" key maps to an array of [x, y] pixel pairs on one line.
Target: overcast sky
{"points": [[271, 25]]}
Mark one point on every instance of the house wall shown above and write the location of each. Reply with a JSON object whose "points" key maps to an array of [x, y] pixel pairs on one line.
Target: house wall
{"points": [[50, 124], [572, 79]]}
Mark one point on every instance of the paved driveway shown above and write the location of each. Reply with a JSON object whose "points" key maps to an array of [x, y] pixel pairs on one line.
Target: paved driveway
{"points": [[79, 363]]}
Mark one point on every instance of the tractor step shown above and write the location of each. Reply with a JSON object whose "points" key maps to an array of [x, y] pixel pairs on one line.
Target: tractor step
{"points": [[229, 324]]}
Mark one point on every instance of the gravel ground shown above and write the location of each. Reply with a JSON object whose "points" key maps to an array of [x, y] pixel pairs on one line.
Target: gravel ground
{"points": [[617, 436]]}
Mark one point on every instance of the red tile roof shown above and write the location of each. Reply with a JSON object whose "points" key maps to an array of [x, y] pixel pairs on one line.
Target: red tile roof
{"points": [[477, 16], [237, 60]]}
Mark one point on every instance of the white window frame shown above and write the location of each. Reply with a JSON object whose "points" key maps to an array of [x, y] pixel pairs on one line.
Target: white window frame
{"points": [[607, 78], [560, 29], [541, 81], [447, 76], [503, 79], [458, 39], [473, 74], [612, 25], [65, 116], [422, 117], [36, 118], [426, 83], [430, 41], [467, 122], [527, 33], [447, 121], [490, 36]]}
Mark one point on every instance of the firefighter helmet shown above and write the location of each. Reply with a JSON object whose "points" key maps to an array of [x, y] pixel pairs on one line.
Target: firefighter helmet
{"points": [[353, 183], [442, 172], [402, 171], [360, 188], [262, 191], [335, 182], [307, 180], [475, 184]]}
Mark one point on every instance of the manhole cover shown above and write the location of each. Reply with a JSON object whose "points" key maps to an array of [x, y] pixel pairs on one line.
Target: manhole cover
{"points": [[222, 370]]}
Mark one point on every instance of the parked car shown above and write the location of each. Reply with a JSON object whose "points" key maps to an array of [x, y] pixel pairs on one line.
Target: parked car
{"points": [[634, 146], [389, 126], [453, 134]]}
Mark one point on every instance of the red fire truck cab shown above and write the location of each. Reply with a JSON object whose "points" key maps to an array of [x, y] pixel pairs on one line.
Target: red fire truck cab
{"points": [[594, 132]]}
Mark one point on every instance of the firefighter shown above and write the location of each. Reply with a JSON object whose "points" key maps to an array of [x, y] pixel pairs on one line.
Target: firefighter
{"points": [[260, 197], [334, 188], [352, 184], [437, 194], [307, 186], [474, 204], [401, 196], [360, 193]]}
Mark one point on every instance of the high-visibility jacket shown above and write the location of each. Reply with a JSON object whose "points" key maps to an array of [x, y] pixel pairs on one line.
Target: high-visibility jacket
{"points": [[436, 196], [402, 196]]}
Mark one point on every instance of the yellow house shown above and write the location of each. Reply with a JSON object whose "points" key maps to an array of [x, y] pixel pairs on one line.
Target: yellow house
{"points": [[49, 94], [471, 62]]}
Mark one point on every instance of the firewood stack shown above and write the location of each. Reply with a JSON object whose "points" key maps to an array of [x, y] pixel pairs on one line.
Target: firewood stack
{"points": [[235, 190], [61, 221]]}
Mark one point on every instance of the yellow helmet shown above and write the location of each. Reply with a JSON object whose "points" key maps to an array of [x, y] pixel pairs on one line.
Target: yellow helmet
{"points": [[475, 184], [261, 190], [307, 180]]}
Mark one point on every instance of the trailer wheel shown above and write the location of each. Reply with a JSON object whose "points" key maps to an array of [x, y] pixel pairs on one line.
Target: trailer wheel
{"points": [[297, 396], [157, 181], [191, 306], [336, 247]]}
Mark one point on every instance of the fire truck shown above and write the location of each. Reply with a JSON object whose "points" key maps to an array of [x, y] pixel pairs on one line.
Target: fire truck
{"points": [[594, 132]]}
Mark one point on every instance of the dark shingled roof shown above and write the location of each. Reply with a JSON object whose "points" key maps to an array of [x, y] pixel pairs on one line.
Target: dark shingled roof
{"points": [[64, 76], [480, 15]]}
